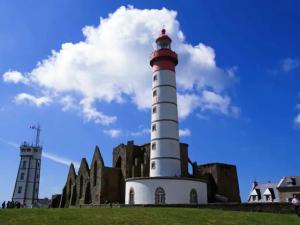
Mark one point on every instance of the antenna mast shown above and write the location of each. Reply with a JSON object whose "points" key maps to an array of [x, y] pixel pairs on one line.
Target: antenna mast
{"points": [[38, 131]]}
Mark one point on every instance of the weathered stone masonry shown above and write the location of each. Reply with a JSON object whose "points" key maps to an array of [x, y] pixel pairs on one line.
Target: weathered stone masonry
{"points": [[98, 184]]}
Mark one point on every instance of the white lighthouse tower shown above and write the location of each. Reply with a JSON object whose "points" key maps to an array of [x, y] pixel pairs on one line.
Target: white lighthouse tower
{"points": [[165, 184], [27, 184], [165, 152]]}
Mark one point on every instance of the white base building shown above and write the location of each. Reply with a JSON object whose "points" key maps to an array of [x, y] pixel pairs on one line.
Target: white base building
{"points": [[165, 190]]}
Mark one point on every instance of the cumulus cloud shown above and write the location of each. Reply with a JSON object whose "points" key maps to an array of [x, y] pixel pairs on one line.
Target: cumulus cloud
{"points": [[24, 98], [68, 103], [113, 133], [111, 65], [297, 119], [14, 77], [184, 132], [91, 113], [206, 101], [140, 132], [289, 64]]}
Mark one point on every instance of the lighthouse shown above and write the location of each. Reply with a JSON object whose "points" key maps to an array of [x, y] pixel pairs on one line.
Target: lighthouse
{"points": [[165, 152], [165, 184], [27, 184]]}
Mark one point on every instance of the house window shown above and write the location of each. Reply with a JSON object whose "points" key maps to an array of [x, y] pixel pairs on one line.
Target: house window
{"points": [[268, 197], [24, 164], [193, 197], [131, 196], [154, 110], [20, 190], [154, 93], [253, 197], [153, 166], [160, 196], [291, 181], [22, 176], [153, 146], [154, 127], [155, 77]]}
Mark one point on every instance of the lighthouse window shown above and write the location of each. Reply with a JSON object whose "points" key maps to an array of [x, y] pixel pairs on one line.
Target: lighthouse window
{"points": [[154, 93], [153, 166], [20, 190], [153, 146], [160, 196], [154, 127], [22, 176], [155, 77], [24, 164], [193, 197], [154, 110], [131, 196]]}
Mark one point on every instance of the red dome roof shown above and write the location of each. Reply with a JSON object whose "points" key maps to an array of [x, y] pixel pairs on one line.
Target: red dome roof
{"points": [[163, 36]]}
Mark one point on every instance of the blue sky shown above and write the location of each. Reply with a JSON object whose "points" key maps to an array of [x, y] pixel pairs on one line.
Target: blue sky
{"points": [[238, 79]]}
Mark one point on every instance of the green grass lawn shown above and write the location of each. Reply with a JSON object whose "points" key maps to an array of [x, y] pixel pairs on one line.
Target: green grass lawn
{"points": [[141, 216]]}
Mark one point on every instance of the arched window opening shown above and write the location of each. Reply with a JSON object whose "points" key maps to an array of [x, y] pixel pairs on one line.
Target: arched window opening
{"points": [[119, 162], [153, 166], [153, 145], [160, 196], [95, 174], [154, 127], [131, 196], [70, 189], [80, 187], [193, 197]]}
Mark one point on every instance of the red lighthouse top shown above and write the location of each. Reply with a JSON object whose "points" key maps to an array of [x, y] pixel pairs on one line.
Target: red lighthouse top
{"points": [[163, 58]]}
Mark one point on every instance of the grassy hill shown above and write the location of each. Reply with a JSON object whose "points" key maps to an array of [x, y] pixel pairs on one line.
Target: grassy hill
{"points": [[141, 216]]}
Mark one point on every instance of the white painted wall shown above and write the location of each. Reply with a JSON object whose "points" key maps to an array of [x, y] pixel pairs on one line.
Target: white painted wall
{"points": [[165, 129], [166, 148], [165, 167], [166, 156], [164, 77], [177, 191], [165, 111]]}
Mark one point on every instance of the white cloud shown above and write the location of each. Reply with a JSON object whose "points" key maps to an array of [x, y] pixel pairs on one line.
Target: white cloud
{"points": [[215, 102], [24, 98], [184, 132], [297, 119], [141, 132], [14, 77], [206, 101], [113, 133], [91, 113], [186, 104], [112, 65], [289, 64], [69, 103]]}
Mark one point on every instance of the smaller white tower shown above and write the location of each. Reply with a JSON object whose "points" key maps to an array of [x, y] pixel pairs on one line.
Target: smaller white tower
{"points": [[27, 184]]}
